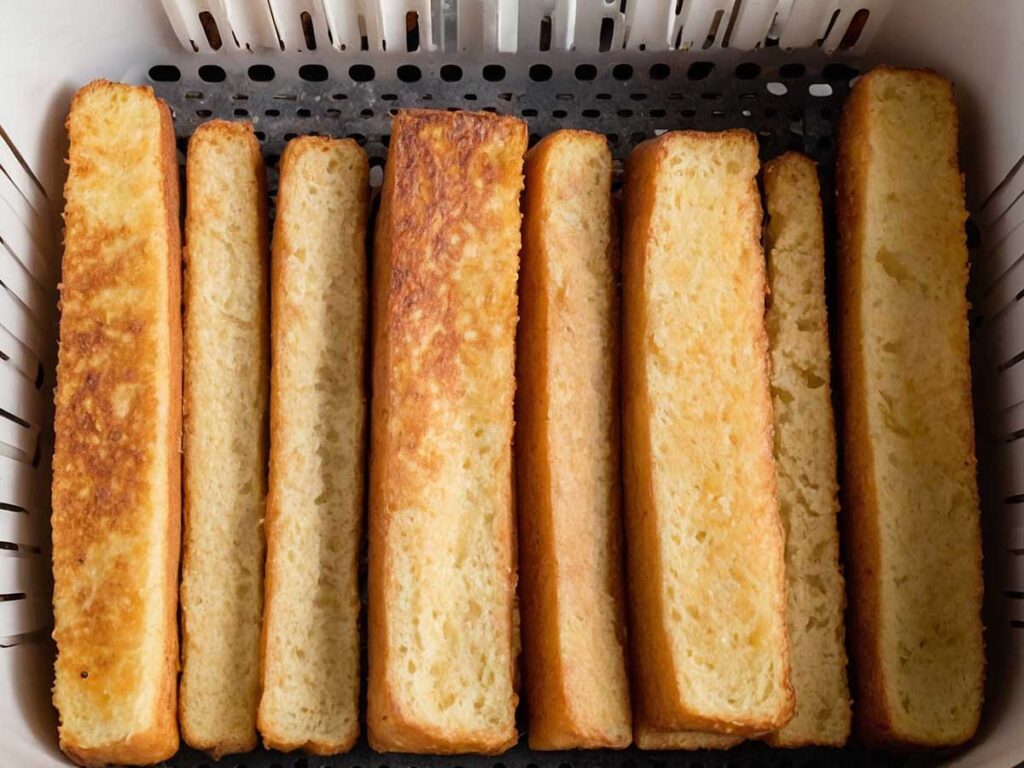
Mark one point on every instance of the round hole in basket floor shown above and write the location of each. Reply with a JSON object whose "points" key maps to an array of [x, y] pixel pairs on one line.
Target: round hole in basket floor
{"points": [[540, 73], [165, 73], [409, 73], [313, 73], [748, 70], [837, 70], [261, 73], [700, 70], [493, 73], [659, 71], [792, 70], [451, 73], [622, 71], [585, 72], [361, 73], [211, 73]]}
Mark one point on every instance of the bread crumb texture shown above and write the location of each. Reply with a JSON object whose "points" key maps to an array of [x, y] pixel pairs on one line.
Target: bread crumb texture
{"points": [[311, 673], [915, 559], [805, 453], [442, 557], [115, 477], [226, 382], [705, 542]]}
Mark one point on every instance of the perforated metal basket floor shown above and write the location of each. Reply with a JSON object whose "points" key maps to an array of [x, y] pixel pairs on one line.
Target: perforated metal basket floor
{"points": [[788, 105]]}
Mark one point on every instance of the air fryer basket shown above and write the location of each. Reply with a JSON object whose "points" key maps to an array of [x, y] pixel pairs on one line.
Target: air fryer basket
{"points": [[789, 103]]}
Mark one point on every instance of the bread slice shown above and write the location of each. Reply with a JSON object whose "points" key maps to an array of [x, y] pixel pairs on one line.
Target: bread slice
{"points": [[226, 359], [912, 498], [567, 450], [705, 544], [116, 466], [442, 561], [805, 453], [311, 674]]}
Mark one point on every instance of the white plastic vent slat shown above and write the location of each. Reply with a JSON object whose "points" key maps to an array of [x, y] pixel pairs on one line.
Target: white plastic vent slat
{"points": [[588, 28], [1009, 192], [22, 574], [17, 175], [510, 25], [693, 25], [650, 24], [1004, 389], [1003, 293], [19, 355], [19, 396], [288, 21], [21, 486], [21, 284], [32, 210], [184, 18], [16, 440], [24, 246], [251, 24], [752, 23], [18, 617], [20, 528], [806, 23], [344, 17], [1004, 336], [1010, 469], [15, 578], [1003, 245], [18, 321]]}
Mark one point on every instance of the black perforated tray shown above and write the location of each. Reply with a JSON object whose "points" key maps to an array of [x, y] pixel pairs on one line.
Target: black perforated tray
{"points": [[629, 97]]}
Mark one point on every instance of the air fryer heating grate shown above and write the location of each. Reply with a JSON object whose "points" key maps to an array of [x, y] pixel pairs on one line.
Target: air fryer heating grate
{"points": [[628, 97]]}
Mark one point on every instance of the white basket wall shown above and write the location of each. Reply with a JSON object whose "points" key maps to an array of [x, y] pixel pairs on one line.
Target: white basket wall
{"points": [[51, 47]]}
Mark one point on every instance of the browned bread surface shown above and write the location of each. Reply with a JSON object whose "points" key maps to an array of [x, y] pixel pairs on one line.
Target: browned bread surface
{"points": [[567, 447], [311, 668], [914, 548], [226, 359], [705, 545], [805, 453], [116, 466], [442, 557]]}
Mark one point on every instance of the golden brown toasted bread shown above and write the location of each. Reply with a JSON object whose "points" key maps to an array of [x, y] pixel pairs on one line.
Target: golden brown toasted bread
{"points": [[705, 545], [567, 450], [805, 453], [442, 560], [226, 382], [311, 674], [116, 466], [914, 544]]}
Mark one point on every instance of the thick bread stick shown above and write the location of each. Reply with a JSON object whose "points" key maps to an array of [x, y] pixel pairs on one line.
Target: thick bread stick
{"points": [[570, 549], [442, 555], [226, 359], [116, 467], [705, 545], [317, 449], [805, 453], [914, 556]]}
